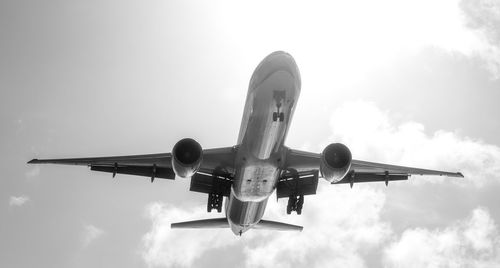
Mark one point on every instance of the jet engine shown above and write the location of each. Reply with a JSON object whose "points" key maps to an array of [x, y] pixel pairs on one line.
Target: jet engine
{"points": [[335, 162], [186, 157]]}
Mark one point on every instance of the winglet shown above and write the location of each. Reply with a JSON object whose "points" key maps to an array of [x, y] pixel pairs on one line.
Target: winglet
{"points": [[33, 161], [460, 174]]}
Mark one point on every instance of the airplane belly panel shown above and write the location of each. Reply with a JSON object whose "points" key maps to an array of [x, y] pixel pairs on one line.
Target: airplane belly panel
{"points": [[243, 215], [255, 179], [271, 108]]}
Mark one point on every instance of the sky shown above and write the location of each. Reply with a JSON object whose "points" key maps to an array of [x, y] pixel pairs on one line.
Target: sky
{"points": [[414, 83]]}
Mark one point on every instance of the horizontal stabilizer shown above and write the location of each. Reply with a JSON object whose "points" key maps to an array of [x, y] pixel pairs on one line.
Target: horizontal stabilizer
{"points": [[222, 223], [277, 226], [201, 224]]}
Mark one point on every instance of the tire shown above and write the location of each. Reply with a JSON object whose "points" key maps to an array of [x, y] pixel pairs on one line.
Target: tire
{"points": [[209, 203], [282, 117]]}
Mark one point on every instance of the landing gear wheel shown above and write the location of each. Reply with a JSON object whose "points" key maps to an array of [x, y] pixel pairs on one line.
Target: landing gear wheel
{"points": [[219, 206], [209, 203], [281, 117], [291, 205], [295, 203], [214, 202], [275, 116]]}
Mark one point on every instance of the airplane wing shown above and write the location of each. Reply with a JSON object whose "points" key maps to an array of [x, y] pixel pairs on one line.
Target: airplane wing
{"points": [[218, 161], [301, 162]]}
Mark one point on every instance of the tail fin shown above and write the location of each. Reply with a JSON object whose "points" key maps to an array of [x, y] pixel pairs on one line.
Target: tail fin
{"points": [[199, 224], [278, 226]]}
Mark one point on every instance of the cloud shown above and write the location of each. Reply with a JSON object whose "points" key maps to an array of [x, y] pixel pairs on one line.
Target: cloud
{"points": [[90, 233], [343, 226], [483, 17], [32, 172], [18, 201], [386, 31], [339, 222], [339, 225], [474, 242], [372, 135], [163, 246]]}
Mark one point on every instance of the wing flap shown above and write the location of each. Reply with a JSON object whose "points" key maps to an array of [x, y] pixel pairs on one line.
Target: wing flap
{"points": [[150, 171], [209, 184], [294, 183], [354, 177]]}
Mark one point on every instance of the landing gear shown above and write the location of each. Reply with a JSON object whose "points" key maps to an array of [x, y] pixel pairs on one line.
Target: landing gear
{"points": [[278, 116], [295, 203], [214, 202]]}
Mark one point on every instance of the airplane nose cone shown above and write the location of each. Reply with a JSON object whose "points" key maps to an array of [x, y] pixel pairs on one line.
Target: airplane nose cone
{"points": [[276, 61], [279, 55]]}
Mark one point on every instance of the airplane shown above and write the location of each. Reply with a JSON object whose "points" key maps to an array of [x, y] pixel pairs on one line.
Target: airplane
{"points": [[250, 171]]}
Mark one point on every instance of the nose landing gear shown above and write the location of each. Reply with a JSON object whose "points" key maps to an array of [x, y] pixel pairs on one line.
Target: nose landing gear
{"points": [[278, 116], [279, 97]]}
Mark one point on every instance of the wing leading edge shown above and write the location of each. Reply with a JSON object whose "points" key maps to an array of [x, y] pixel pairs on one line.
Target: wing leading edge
{"points": [[217, 161], [361, 171]]}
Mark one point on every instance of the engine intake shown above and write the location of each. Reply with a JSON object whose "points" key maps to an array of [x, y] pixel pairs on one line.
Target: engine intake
{"points": [[335, 162], [186, 157]]}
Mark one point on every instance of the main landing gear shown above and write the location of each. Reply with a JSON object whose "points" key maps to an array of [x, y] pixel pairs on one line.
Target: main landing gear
{"points": [[214, 202], [295, 203]]}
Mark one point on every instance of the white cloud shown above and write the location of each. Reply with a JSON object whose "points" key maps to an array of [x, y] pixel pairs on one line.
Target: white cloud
{"points": [[339, 224], [339, 221], [90, 234], [18, 200], [32, 172], [372, 135], [474, 242], [163, 246], [483, 16], [342, 226], [355, 38]]}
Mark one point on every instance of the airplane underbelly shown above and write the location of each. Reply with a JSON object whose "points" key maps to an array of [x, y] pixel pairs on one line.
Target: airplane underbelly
{"points": [[269, 109], [243, 215], [274, 89], [256, 180], [272, 105]]}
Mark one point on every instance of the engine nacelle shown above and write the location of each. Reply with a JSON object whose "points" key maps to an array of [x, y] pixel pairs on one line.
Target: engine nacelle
{"points": [[335, 162], [186, 157]]}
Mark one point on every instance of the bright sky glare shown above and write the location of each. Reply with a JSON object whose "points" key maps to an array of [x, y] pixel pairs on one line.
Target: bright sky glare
{"points": [[404, 82]]}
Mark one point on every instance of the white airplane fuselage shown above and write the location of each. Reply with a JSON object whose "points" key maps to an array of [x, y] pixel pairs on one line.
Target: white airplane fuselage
{"points": [[273, 92]]}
